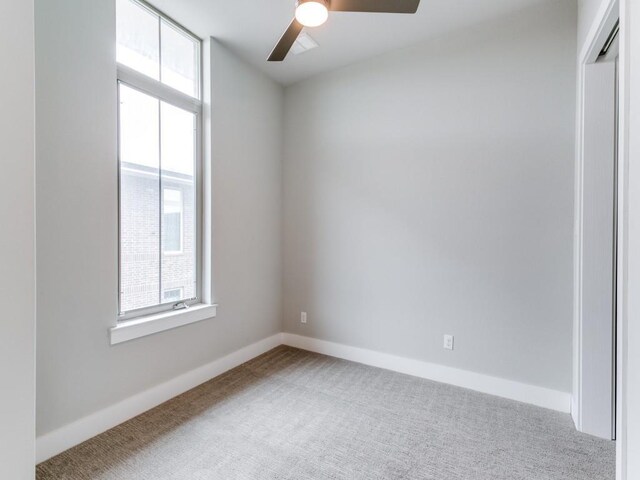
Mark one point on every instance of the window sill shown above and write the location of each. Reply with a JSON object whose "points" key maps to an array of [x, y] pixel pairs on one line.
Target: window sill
{"points": [[150, 324]]}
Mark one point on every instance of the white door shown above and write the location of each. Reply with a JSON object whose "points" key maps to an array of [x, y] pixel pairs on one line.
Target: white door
{"points": [[599, 250]]}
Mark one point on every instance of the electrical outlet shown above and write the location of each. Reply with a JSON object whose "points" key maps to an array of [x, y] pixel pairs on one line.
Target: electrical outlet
{"points": [[303, 317], [448, 342]]}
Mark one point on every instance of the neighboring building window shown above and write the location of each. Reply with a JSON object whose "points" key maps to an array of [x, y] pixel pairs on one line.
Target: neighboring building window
{"points": [[173, 294], [172, 226], [159, 159]]}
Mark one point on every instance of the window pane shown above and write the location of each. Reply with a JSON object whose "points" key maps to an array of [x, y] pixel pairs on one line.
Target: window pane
{"points": [[139, 200], [138, 39], [178, 157], [179, 60]]}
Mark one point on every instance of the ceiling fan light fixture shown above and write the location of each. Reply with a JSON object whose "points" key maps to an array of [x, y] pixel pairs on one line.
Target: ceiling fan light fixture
{"points": [[312, 13]]}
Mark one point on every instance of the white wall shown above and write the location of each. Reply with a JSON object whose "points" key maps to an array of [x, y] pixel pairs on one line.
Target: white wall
{"points": [[430, 191], [17, 249], [78, 371]]}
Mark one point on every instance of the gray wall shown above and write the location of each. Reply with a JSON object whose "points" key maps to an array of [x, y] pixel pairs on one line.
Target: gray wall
{"points": [[430, 191], [17, 242], [78, 371]]}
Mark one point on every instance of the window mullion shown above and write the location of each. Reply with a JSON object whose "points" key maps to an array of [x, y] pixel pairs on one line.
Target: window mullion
{"points": [[161, 191], [160, 48], [161, 203]]}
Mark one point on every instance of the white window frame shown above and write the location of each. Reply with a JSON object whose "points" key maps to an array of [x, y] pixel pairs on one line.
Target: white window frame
{"points": [[155, 88]]}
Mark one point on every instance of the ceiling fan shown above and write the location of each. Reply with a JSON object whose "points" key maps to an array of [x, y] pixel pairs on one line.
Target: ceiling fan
{"points": [[313, 13]]}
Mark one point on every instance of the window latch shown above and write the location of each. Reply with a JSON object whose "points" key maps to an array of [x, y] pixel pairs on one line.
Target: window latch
{"points": [[181, 306]]}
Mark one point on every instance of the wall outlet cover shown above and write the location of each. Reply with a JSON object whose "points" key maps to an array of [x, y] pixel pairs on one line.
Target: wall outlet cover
{"points": [[448, 342]]}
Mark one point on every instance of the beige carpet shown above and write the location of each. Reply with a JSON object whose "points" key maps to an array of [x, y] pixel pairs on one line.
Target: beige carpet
{"points": [[291, 414]]}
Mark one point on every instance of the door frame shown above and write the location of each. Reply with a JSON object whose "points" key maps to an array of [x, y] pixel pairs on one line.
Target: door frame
{"points": [[628, 394], [607, 17], [628, 276]]}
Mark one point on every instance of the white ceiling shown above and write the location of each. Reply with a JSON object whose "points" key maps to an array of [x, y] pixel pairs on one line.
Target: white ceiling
{"points": [[251, 28]]}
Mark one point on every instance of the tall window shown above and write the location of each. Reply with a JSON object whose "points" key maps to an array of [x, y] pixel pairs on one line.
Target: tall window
{"points": [[159, 159]]}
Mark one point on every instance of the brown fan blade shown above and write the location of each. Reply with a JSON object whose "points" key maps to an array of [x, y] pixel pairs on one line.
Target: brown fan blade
{"points": [[375, 6], [286, 42]]}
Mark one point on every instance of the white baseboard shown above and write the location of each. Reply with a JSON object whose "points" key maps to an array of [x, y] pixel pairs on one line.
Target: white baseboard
{"points": [[53, 443], [58, 441], [539, 396]]}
